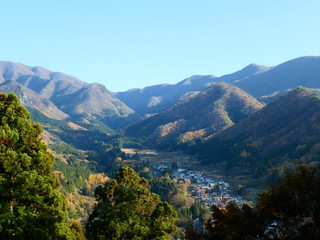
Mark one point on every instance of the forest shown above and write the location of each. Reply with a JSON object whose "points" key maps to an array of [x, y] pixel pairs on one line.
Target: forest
{"points": [[47, 197]]}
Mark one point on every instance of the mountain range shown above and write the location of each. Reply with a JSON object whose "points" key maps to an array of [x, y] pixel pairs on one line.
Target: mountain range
{"points": [[205, 114], [222, 118], [257, 80], [58, 95], [61, 96], [285, 130], [303, 71], [159, 97]]}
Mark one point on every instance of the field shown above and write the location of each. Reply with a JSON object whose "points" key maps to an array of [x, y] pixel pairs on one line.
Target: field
{"points": [[160, 157]]}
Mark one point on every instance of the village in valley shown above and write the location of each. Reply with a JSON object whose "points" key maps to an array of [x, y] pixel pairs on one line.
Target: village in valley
{"points": [[204, 189]]}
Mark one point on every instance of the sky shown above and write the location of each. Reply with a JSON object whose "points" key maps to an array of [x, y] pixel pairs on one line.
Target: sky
{"points": [[138, 43]]}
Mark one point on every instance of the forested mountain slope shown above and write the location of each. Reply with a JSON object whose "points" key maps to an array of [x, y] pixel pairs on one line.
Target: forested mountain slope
{"points": [[206, 114], [286, 129]]}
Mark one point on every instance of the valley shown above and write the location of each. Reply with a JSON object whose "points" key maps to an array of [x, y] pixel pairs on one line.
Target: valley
{"points": [[162, 161], [160, 120], [200, 143], [158, 157], [202, 123]]}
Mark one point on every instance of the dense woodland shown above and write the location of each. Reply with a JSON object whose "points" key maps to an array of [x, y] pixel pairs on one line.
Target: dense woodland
{"points": [[40, 211], [135, 204]]}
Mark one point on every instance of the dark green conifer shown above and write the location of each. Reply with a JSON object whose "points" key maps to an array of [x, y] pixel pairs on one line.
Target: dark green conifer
{"points": [[127, 209], [31, 206]]}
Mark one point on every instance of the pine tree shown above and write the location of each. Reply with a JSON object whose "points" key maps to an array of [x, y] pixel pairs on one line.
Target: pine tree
{"points": [[31, 206], [127, 209]]}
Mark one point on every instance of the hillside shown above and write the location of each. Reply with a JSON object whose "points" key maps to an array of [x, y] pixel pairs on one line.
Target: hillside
{"points": [[257, 80], [58, 95], [246, 72], [303, 71], [92, 99], [61, 96], [29, 98], [156, 98], [42, 81], [203, 115], [286, 129]]}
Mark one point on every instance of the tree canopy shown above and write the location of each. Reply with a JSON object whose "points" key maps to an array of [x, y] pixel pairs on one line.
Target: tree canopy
{"points": [[126, 209], [31, 206], [294, 204], [289, 210]]}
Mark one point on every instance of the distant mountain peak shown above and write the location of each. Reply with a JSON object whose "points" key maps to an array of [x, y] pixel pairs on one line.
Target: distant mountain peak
{"points": [[30, 98], [195, 78], [302, 71], [254, 68], [246, 72], [59, 95]]}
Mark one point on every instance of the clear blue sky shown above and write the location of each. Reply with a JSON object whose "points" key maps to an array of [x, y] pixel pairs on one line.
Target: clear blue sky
{"points": [[135, 43]]}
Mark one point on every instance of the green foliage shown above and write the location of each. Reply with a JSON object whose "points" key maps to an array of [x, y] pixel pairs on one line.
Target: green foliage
{"points": [[198, 211], [237, 223], [127, 142], [31, 207], [185, 216], [47, 122], [289, 210], [85, 140], [233, 222], [66, 149], [76, 229], [94, 124], [74, 173], [294, 204], [234, 152], [163, 186], [176, 195], [192, 233], [127, 209], [108, 159], [285, 130], [134, 142]]}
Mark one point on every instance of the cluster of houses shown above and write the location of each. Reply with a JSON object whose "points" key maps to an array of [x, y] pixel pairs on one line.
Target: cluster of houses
{"points": [[206, 190]]}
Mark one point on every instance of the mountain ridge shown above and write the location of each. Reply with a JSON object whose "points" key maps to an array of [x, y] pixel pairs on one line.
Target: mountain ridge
{"points": [[302, 71], [285, 130], [207, 113], [64, 95], [156, 98], [29, 98], [74, 97]]}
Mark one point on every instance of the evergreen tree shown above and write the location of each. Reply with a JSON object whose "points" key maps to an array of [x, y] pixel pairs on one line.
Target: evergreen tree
{"points": [[31, 206], [294, 204], [289, 210], [236, 223], [127, 209]]}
